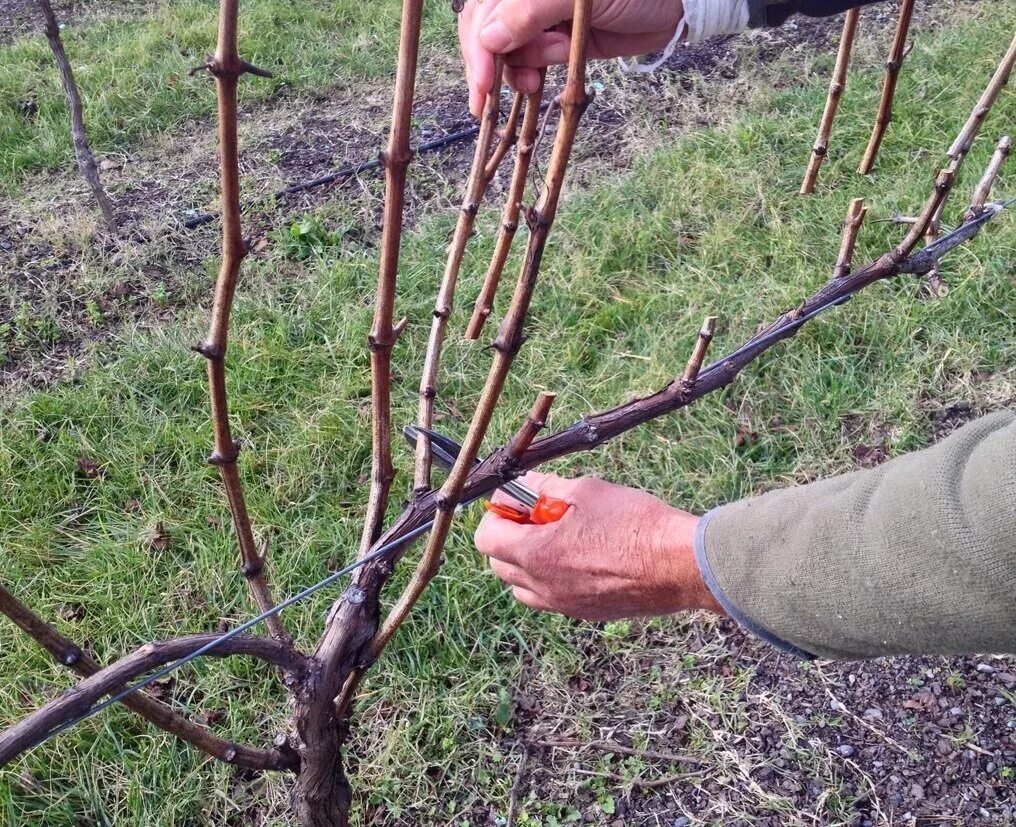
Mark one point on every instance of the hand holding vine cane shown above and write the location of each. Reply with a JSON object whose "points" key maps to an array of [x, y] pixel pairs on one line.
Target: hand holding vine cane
{"points": [[534, 34]]}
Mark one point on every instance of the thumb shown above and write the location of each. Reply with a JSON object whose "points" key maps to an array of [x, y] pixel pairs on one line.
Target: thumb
{"points": [[515, 22], [502, 539]]}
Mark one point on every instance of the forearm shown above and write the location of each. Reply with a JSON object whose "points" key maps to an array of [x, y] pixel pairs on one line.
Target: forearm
{"points": [[917, 556]]}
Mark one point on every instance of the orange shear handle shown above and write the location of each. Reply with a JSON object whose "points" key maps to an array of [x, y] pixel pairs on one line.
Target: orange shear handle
{"points": [[547, 510]]}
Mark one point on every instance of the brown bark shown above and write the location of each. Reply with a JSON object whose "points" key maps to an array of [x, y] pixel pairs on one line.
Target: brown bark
{"points": [[698, 353], [76, 700], [851, 227], [897, 54], [82, 151], [476, 188], [506, 137], [836, 87], [594, 429], [510, 218], [383, 333], [68, 654], [535, 422], [961, 146], [505, 346], [322, 796], [227, 67], [352, 639], [574, 100], [466, 482], [983, 188]]}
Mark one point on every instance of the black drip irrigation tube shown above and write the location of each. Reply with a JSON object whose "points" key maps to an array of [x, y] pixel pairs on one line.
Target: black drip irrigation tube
{"points": [[352, 169]]}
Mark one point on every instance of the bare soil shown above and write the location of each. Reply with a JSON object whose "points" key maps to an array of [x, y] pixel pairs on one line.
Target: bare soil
{"points": [[20, 17], [909, 741]]}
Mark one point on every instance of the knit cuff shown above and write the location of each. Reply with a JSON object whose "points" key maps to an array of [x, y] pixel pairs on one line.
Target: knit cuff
{"points": [[742, 619]]}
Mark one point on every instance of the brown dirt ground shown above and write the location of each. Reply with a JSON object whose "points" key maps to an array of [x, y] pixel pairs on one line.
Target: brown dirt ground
{"points": [[19, 17], [910, 741]]}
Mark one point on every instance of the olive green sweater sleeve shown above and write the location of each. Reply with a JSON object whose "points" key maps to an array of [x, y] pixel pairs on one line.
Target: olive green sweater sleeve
{"points": [[917, 556]]}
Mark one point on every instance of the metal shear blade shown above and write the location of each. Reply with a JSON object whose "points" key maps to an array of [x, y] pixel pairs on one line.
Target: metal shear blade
{"points": [[446, 451]]}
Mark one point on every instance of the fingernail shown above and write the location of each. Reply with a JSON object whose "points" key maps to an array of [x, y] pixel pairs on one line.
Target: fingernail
{"points": [[555, 53], [495, 36]]}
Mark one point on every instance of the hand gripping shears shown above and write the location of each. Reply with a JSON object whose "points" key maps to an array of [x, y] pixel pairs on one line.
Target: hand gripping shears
{"points": [[542, 509]]}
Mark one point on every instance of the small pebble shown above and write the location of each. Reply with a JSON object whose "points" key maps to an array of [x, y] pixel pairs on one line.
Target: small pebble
{"points": [[873, 713], [991, 766], [983, 813], [917, 791], [682, 821], [956, 711], [845, 750], [999, 700], [985, 668]]}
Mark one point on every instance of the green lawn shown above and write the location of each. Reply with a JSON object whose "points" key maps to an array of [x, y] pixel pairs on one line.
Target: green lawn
{"points": [[711, 224], [133, 73]]}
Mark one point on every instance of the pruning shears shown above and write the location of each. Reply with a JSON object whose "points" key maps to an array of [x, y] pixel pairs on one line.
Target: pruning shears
{"points": [[542, 509]]}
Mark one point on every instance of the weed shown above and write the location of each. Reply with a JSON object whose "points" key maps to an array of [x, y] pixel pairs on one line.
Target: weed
{"points": [[308, 237], [96, 317]]}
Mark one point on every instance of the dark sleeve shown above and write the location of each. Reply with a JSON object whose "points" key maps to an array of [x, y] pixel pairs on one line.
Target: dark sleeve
{"points": [[916, 556], [768, 13]]}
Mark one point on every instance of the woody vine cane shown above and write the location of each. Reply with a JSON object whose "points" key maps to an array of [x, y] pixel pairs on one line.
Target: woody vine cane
{"points": [[321, 685]]}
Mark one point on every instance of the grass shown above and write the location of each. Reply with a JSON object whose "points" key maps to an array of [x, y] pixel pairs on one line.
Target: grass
{"points": [[710, 224], [133, 73]]}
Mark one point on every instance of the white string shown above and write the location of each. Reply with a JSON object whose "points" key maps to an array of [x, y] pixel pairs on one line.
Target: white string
{"points": [[668, 50]]}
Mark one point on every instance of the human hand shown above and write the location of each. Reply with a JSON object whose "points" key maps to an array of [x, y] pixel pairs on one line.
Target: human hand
{"points": [[616, 552], [536, 33]]}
